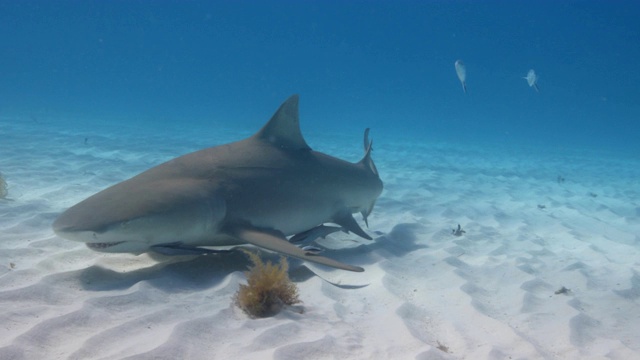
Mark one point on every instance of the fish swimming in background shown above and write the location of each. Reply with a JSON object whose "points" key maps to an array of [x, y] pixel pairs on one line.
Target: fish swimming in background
{"points": [[532, 79], [461, 70]]}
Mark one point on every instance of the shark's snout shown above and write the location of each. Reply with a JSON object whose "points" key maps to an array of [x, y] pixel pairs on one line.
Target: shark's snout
{"points": [[108, 231], [73, 233], [64, 229], [98, 241]]}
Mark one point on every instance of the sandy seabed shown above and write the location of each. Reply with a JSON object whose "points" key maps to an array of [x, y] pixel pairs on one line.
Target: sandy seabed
{"points": [[492, 293]]}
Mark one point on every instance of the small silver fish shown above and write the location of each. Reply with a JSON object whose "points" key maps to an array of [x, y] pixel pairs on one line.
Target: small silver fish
{"points": [[461, 70], [532, 79]]}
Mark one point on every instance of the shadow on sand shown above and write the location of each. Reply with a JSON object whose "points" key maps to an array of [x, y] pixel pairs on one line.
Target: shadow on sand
{"points": [[174, 274]]}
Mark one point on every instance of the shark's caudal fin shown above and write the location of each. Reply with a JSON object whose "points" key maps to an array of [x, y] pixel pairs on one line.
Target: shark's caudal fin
{"points": [[368, 148], [283, 130], [367, 162]]}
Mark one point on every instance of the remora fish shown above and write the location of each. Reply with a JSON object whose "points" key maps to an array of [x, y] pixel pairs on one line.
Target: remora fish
{"points": [[258, 191]]}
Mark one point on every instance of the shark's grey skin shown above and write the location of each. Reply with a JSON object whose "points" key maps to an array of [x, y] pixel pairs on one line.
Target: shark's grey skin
{"points": [[258, 190]]}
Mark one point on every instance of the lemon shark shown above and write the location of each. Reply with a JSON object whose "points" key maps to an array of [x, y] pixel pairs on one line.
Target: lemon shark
{"points": [[257, 191]]}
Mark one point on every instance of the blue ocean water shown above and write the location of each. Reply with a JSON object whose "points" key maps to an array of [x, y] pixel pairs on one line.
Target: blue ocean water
{"points": [[93, 92], [380, 64]]}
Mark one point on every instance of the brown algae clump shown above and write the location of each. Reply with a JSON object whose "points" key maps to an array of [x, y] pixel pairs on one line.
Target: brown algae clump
{"points": [[268, 288]]}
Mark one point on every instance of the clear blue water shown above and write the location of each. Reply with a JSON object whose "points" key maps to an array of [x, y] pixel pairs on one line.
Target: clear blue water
{"points": [[93, 92], [380, 64]]}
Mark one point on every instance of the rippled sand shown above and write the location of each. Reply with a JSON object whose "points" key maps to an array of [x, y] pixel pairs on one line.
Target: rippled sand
{"points": [[491, 293]]}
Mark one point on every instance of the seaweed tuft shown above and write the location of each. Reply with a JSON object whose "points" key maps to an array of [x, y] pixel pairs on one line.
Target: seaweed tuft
{"points": [[268, 288]]}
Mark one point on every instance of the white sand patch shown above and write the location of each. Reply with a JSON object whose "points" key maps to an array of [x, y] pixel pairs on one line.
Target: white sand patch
{"points": [[425, 293]]}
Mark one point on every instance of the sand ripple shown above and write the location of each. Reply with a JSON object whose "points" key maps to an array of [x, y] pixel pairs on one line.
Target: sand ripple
{"points": [[492, 293]]}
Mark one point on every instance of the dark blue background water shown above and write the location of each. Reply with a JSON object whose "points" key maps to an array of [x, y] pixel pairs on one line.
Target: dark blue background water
{"points": [[388, 65]]}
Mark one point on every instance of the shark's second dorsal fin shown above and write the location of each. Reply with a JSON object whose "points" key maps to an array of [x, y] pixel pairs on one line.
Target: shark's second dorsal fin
{"points": [[283, 130]]}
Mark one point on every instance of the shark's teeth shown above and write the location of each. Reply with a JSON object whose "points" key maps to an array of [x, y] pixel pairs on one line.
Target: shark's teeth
{"points": [[102, 245]]}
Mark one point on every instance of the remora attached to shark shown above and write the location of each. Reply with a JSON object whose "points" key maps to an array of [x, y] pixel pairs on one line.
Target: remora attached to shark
{"points": [[258, 191]]}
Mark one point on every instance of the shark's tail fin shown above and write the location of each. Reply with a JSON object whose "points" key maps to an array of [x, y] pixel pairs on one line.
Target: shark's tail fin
{"points": [[368, 147], [367, 163]]}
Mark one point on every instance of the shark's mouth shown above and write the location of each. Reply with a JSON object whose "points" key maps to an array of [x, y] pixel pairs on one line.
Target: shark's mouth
{"points": [[101, 246]]}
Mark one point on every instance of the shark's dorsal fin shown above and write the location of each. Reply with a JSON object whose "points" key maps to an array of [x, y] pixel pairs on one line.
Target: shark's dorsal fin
{"points": [[283, 130]]}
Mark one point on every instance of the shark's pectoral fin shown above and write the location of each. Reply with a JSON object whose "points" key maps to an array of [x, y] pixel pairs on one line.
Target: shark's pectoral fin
{"points": [[176, 249], [276, 241], [346, 220]]}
